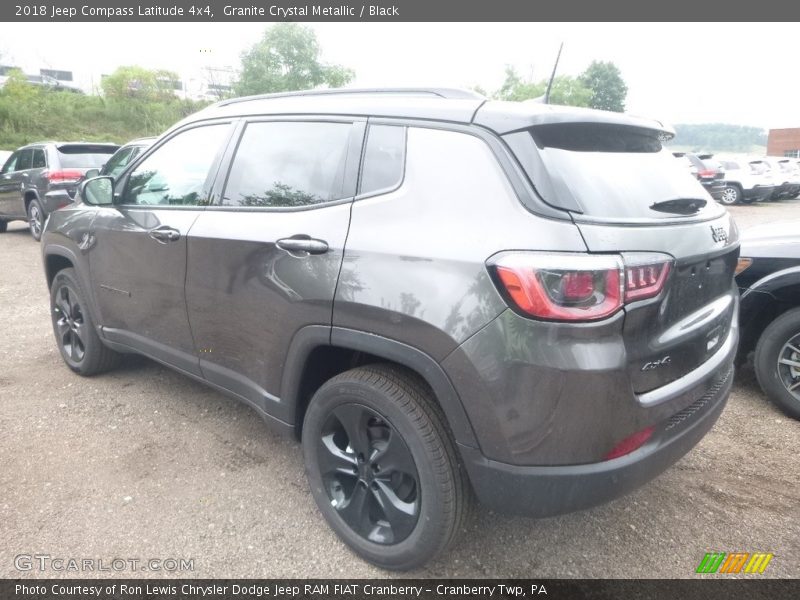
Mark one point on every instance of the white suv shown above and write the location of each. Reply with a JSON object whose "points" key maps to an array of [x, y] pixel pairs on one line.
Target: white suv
{"points": [[747, 179], [786, 173]]}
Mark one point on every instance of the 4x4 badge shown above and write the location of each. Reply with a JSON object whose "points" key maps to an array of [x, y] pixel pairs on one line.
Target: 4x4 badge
{"points": [[718, 234]]}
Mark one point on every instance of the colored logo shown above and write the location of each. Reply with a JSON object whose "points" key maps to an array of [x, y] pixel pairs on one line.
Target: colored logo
{"points": [[734, 562]]}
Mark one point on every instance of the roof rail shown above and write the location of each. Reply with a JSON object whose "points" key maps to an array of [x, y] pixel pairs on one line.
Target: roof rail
{"points": [[448, 93]]}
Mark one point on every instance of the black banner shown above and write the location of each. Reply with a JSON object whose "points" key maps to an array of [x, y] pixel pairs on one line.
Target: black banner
{"points": [[405, 589], [395, 10]]}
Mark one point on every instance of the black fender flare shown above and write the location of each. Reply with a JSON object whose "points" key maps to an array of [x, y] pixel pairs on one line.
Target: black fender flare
{"points": [[313, 336], [784, 285]]}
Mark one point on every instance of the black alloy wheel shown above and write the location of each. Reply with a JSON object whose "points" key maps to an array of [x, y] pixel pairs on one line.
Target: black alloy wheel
{"points": [[383, 467], [369, 474], [74, 328], [777, 362]]}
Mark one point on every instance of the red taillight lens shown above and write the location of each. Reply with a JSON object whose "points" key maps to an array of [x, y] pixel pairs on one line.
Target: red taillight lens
{"points": [[562, 287], [65, 176], [631, 443], [707, 173], [578, 287], [645, 275]]}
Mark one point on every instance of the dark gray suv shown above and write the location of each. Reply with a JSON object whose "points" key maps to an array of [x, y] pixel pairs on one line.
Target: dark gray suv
{"points": [[42, 177], [441, 296]]}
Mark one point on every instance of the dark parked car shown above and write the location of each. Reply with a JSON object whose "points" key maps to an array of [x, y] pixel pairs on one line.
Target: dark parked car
{"points": [[769, 280], [122, 158], [707, 171], [438, 294], [40, 178]]}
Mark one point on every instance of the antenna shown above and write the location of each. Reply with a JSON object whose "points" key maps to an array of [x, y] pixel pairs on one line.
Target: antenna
{"points": [[553, 75]]}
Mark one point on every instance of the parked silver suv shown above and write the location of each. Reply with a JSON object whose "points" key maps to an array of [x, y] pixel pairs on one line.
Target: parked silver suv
{"points": [[440, 295]]}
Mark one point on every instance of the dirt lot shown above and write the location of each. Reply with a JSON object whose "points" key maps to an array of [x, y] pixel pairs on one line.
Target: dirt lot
{"points": [[145, 463]]}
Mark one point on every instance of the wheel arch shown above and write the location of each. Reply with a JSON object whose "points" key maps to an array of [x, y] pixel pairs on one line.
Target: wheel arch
{"points": [[318, 352], [29, 196]]}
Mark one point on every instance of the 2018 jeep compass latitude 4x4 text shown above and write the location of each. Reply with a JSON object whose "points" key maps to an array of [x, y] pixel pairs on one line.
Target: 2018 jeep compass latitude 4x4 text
{"points": [[443, 297]]}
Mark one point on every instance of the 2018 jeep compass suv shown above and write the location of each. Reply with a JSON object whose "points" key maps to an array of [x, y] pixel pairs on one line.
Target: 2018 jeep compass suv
{"points": [[437, 293]]}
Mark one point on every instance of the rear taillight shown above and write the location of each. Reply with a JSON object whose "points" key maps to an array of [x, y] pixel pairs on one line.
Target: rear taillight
{"points": [[578, 287], [630, 443], [65, 176], [707, 173]]}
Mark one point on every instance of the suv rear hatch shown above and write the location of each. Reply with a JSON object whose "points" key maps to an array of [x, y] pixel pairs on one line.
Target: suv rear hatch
{"points": [[75, 159], [628, 196]]}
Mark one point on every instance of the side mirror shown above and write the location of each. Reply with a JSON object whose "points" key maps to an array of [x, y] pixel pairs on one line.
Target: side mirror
{"points": [[98, 191], [91, 173]]}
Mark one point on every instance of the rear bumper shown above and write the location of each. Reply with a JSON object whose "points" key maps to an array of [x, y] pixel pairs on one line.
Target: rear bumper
{"points": [[547, 491]]}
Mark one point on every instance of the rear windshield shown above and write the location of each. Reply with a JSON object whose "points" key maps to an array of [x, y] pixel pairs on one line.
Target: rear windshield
{"points": [[82, 156], [606, 171]]}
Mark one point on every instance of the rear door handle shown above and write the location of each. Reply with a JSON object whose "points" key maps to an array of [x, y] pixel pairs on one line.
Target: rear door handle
{"points": [[303, 243], [165, 234]]}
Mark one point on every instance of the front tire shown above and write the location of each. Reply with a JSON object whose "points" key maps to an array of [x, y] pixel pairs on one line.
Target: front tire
{"points": [[730, 195], [777, 362], [382, 467], [36, 219], [73, 326]]}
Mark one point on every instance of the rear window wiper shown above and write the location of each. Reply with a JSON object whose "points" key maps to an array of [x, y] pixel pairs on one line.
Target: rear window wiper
{"points": [[680, 206]]}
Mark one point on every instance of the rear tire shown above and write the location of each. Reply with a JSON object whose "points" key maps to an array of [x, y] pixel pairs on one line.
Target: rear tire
{"points": [[3, 226], [383, 469], [74, 328], [730, 195], [36, 219], [777, 362]]}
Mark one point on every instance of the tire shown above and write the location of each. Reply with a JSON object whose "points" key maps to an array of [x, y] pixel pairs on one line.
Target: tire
{"points": [[392, 418], [3, 226], [730, 195], [74, 329], [36, 219], [777, 362]]}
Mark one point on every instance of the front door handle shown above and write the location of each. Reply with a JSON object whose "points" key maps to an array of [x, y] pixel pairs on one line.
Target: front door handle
{"points": [[165, 234], [303, 243]]}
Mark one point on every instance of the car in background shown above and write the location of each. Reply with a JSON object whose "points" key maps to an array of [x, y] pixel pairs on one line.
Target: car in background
{"points": [[746, 180], [707, 171], [42, 177], [786, 174], [122, 158], [768, 276]]}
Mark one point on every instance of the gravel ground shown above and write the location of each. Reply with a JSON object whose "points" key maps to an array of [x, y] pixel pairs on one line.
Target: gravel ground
{"points": [[144, 463]]}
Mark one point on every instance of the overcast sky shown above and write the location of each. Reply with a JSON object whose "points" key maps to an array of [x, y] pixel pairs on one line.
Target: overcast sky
{"points": [[744, 73]]}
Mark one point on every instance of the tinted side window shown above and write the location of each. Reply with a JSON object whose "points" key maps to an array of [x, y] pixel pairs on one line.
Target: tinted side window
{"points": [[39, 161], [384, 158], [11, 163], [289, 164], [177, 174], [117, 162], [25, 160]]}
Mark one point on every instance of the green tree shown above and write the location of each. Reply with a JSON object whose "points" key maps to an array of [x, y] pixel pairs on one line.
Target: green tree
{"points": [[566, 90], [140, 83], [607, 86], [287, 58]]}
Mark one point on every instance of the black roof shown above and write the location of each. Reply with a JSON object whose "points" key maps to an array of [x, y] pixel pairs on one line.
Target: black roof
{"points": [[437, 104]]}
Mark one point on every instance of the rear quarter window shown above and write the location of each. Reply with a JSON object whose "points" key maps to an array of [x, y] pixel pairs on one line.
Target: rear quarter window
{"points": [[384, 159]]}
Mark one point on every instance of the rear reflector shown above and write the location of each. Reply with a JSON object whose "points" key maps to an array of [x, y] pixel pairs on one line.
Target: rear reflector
{"points": [[631, 443], [578, 287]]}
